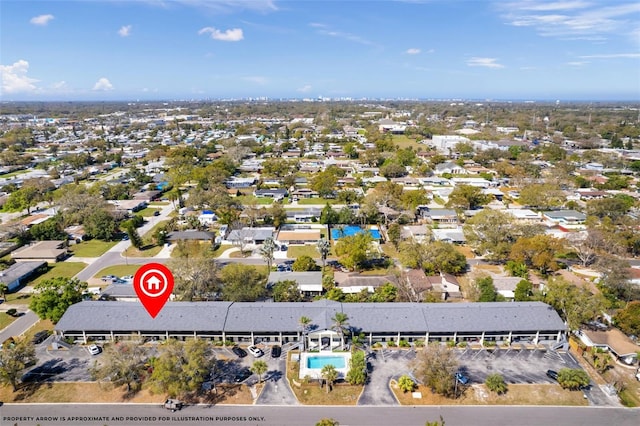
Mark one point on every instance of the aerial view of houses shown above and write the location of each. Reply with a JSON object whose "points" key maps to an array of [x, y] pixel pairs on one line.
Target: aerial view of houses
{"points": [[384, 233]]}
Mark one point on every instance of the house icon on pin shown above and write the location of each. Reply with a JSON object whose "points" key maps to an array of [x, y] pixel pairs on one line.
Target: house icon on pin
{"points": [[153, 283]]}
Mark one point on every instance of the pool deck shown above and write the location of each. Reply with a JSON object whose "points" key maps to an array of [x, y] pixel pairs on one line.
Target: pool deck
{"points": [[314, 373]]}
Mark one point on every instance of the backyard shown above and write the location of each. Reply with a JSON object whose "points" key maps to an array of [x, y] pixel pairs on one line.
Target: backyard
{"points": [[60, 269], [91, 248]]}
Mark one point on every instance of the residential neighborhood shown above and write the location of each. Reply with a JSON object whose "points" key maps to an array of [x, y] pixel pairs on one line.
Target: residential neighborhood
{"points": [[386, 230]]}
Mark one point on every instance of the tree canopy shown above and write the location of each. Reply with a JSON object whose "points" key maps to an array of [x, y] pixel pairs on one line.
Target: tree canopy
{"points": [[53, 296]]}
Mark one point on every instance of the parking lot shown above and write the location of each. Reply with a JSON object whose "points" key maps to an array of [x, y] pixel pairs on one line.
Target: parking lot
{"points": [[517, 366]]}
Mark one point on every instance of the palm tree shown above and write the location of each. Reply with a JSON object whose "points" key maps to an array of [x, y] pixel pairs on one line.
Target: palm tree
{"points": [[323, 247], [340, 322], [304, 324], [330, 374], [3, 290], [266, 251], [259, 367]]}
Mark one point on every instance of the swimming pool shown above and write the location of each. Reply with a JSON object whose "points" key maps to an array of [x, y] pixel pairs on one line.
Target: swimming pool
{"points": [[311, 364], [347, 231], [321, 361]]}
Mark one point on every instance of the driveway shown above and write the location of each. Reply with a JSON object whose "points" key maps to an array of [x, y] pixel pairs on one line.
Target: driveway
{"points": [[69, 363], [384, 365]]}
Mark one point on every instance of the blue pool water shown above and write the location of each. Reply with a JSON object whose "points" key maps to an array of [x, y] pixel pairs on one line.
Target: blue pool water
{"points": [[320, 361], [347, 231]]}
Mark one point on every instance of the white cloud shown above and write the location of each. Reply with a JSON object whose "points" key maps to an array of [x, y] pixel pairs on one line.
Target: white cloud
{"points": [[59, 85], [125, 31], [484, 62], [412, 51], [572, 19], [41, 20], [613, 56], [223, 6], [305, 89], [103, 84], [234, 34], [256, 79], [577, 63], [14, 78]]}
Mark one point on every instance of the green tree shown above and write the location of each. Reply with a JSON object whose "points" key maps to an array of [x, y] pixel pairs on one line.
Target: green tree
{"points": [[324, 182], [436, 366], [542, 196], [572, 378], [4, 288], [441, 256], [278, 214], [14, 359], [266, 251], [50, 229], [628, 319], [259, 367], [324, 247], [330, 374], [486, 289], [23, 198], [336, 294], [340, 324], [576, 305], [328, 216], [495, 383], [357, 374], [100, 224], [614, 207], [523, 291], [182, 367], [467, 197], [134, 237], [384, 293], [353, 250], [123, 363], [394, 232], [241, 283], [304, 323], [305, 263], [53, 296], [286, 291], [538, 252], [328, 422], [195, 273], [406, 383]]}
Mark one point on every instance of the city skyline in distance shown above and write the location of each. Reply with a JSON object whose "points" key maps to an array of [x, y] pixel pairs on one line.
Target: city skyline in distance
{"points": [[228, 49]]}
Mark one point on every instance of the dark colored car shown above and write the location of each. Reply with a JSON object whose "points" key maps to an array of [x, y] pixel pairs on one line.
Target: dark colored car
{"points": [[156, 213], [552, 375], [276, 351], [242, 375], [462, 379], [241, 353], [40, 337]]}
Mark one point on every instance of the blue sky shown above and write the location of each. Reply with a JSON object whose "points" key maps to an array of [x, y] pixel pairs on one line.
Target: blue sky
{"points": [[427, 49]]}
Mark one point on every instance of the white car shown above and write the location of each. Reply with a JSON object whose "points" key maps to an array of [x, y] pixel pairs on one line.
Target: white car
{"points": [[255, 351], [94, 349]]}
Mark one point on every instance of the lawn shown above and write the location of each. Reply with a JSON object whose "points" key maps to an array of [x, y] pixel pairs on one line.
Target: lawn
{"points": [[16, 173], [223, 247], [94, 392], [147, 212], [318, 201], [295, 252], [404, 142], [91, 248], [61, 269], [39, 326], [313, 394], [261, 201], [118, 270], [480, 395], [390, 250], [148, 250], [466, 251], [5, 320], [159, 203]]}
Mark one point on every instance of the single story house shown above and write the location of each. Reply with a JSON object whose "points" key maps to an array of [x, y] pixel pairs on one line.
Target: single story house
{"points": [[15, 275], [299, 236], [441, 217], [612, 340], [275, 193], [565, 217], [251, 235], [309, 283], [353, 282], [46, 251], [191, 235], [304, 193], [311, 214], [270, 322]]}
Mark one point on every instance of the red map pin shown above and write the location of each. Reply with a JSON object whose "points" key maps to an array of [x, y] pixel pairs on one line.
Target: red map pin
{"points": [[153, 283]]}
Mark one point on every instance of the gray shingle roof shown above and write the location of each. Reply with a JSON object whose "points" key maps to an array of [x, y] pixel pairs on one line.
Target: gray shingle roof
{"points": [[302, 278], [269, 316]]}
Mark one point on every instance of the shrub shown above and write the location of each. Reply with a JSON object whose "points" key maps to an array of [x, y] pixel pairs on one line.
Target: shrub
{"points": [[495, 382], [463, 344], [570, 378], [489, 344], [451, 344], [406, 384], [391, 343], [404, 344]]}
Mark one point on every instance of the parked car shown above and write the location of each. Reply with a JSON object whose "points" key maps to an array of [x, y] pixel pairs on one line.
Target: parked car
{"points": [[156, 213], [462, 379], [173, 405], [40, 337], [241, 353], [255, 351], [276, 351], [94, 349], [109, 278], [552, 375], [242, 375]]}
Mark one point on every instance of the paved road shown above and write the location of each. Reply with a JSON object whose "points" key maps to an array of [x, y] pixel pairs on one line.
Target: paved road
{"points": [[138, 414], [19, 326]]}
